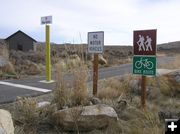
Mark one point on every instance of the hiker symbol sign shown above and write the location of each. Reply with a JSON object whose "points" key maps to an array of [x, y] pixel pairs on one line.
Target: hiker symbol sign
{"points": [[144, 42]]}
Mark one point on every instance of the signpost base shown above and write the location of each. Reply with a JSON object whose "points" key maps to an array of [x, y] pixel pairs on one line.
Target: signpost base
{"points": [[48, 82]]}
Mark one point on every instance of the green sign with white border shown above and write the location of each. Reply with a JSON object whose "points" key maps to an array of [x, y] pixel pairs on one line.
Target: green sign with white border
{"points": [[144, 65]]}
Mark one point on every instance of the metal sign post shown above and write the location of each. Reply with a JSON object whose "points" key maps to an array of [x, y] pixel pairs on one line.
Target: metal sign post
{"points": [[48, 54], [144, 60], [47, 20], [95, 46]]}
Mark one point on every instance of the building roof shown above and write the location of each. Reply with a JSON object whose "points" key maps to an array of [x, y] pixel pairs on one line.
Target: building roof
{"points": [[19, 31]]}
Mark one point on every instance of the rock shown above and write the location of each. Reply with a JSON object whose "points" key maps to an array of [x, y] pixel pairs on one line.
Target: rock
{"points": [[43, 104], [101, 60], [121, 105], [175, 76], [95, 100], [65, 107], [135, 86], [87, 118], [2, 131], [6, 123]]}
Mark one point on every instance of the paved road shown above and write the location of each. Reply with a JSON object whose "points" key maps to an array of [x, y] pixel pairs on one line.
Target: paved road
{"points": [[10, 89]]}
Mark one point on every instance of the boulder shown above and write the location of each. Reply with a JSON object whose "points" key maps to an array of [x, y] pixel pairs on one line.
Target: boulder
{"points": [[101, 60], [94, 100], [6, 123], [135, 86], [85, 118], [174, 78], [43, 104], [2, 131], [175, 75]]}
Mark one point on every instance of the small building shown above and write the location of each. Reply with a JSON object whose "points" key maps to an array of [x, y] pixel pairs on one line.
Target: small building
{"points": [[20, 41]]}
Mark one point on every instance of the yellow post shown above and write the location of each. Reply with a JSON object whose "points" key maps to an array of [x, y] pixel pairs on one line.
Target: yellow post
{"points": [[48, 54]]}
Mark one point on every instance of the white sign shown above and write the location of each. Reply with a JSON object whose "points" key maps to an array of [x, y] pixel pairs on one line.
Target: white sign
{"points": [[95, 42], [46, 20]]}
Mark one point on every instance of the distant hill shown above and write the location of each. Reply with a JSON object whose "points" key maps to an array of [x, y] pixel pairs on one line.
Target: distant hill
{"points": [[170, 47]]}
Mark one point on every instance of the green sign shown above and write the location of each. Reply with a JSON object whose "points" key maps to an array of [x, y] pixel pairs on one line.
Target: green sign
{"points": [[144, 65]]}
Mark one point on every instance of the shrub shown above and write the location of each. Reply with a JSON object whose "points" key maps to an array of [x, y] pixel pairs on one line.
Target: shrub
{"points": [[164, 84], [113, 87], [25, 111], [73, 93], [61, 95], [8, 68], [80, 91], [28, 116], [4, 52]]}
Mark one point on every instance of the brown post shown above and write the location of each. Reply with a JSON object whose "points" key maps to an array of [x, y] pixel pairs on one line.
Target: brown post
{"points": [[143, 92], [95, 74]]}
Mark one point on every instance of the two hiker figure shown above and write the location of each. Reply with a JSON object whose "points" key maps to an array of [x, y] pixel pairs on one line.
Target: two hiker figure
{"points": [[145, 45]]}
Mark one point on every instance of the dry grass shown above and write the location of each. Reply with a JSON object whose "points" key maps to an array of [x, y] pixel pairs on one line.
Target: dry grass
{"points": [[133, 120], [8, 68], [174, 64], [80, 90], [28, 117], [75, 115], [25, 111], [113, 88], [25, 115], [61, 95], [4, 52], [165, 85], [71, 93]]}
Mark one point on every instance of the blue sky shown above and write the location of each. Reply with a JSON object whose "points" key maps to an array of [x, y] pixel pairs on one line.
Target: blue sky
{"points": [[72, 19]]}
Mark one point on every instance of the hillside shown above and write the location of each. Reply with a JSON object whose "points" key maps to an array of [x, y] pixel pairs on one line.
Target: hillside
{"points": [[170, 47]]}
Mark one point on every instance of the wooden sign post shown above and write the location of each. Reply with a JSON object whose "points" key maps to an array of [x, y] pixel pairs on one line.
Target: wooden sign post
{"points": [[95, 74], [143, 92], [144, 60], [95, 46]]}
